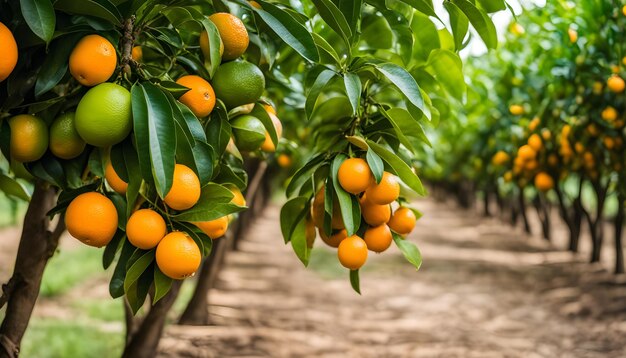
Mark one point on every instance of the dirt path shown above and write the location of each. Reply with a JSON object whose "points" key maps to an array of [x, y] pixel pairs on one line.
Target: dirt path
{"points": [[484, 290]]}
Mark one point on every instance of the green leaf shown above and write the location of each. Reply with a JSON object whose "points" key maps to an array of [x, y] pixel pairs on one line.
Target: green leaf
{"points": [[214, 203], [492, 5], [298, 241], [354, 281], [349, 204], [334, 18], [13, 188], [137, 292], [259, 112], [162, 285], [215, 58], [131, 161], [303, 174], [320, 82], [290, 215], [102, 9], [459, 23], [480, 21], [425, 37], [352, 83], [376, 165], [400, 168], [40, 17], [403, 81], [154, 128], [409, 250], [292, 32], [405, 126], [423, 6], [112, 248], [218, 131], [138, 268], [116, 286], [448, 70], [326, 47], [352, 9]]}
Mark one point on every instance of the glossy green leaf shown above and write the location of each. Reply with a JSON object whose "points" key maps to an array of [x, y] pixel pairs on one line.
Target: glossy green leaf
{"points": [[14, 188], [112, 248], [459, 23], [40, 17], [480, 21], [290, 215], [334, 18], [214, 203], [116, 286], [376, 165], [352, 83], [103, 9], [447, 68], [403, 81], [138, 268], [320, 82], [411, 253], [350, 208], [162, 285], [354, 281], [424, 6]]}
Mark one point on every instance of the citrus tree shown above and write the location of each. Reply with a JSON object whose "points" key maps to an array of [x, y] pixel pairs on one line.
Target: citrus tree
{"points": [[131, 122]]}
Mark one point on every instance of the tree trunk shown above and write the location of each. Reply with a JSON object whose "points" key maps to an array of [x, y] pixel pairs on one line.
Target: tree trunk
{"points": [[145, 341], [597, 230], [619, 224], [486, 197], [522, 208], [577, 207], [37, 245], [543, 212]]}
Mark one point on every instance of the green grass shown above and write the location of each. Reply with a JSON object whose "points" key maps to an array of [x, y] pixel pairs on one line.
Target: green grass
{"points": [[106, 310], [69, 268], [71, 338], [11, 211], [324, 262]]}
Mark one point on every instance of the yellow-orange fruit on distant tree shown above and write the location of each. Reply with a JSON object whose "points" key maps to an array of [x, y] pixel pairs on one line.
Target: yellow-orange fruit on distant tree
{"points": [[526, 152], [543, 181], [535, 142], [616, 84]]}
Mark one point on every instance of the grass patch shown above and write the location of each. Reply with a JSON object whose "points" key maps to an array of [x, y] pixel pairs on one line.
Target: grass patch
{"points": [[70, 338], [68, 268], [106, 310], [11, 211], [324, 262]]}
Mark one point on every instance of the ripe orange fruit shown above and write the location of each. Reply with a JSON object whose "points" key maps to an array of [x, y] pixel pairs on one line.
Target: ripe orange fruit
{"points": [[8, 60], [609, 143], [546, 134], [214, 228], [115, 182], [335, 239], [178, 256], [526, 152], [616, 84], [284, 161], [573, 35], [145, 229], [516, 109], [185, 190], [534, 124], [374, 214], [104, 115], [508, 176], [317, 211], [609, 114], [65, 142], [402, 221], [233, 34], [378, 238], [544, 182], [535, 142], [309, 233], [354, 175], [238, 198], [531, 165], [29, 137], [93, 60], [352, 252], [200, 98], [385, 192], [500, 158], [137, 53], [92, 219], [205, 47]]}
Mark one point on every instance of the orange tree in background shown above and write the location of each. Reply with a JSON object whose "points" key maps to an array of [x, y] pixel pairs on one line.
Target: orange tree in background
{"points": [[129, 120], [545, 119]]}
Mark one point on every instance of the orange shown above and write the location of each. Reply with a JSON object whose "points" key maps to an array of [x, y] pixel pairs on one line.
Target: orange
{"points": [[233, 34], [185, 190], [531, 165], [544, 182], [254, 4], [609, 143], [579, 147], [516, 109], [385, 192], [271, 110], [573, 35], [402, 221], [200, 98], [137, 53], [553, 160], [378, 238], [609, 114], [145, 229], [335, 239], [535, 142], [534, 124], [352, 252], [206, 48], [508, 176], [178, 256], [238, 198], [616, 84], [92, 219], [624, 10], [597, 87], [374, 214], [284, 161], [29, 138], [317, 211], [214, 228], [115, 182], [593, 130], [8, 47], [93, 60], [268, 145], [354, 175], [526, 152], [546, 134], [309, 232], [500, 158]]}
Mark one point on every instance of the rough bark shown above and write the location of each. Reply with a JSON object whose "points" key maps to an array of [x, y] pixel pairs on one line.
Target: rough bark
{"points": [[37, 245]]}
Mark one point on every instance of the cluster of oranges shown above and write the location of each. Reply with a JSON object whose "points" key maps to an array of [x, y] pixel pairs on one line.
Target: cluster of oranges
{"points": [[356, 178], [92, 218]]}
